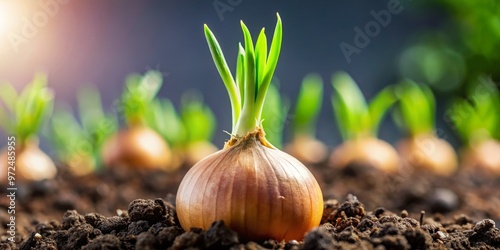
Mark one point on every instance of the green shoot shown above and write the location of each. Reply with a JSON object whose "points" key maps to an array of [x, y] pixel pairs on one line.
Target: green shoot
{"points": [[164, 119], [197, 118], [354, 116], [274, 116], [24, 113], [138, 95], [254, 71], [308, 105], [416, 112], [478, 117], [195, 123], [75, 140]]}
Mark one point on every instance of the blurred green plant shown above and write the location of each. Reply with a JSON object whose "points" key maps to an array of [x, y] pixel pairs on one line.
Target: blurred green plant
{"points": [[139, 95], [356, 118], [464, 49], [79, 144], [26, 112], [416, 111], [477, 117], [274, 115], [21, 117], [308, 106], [194, 123]]}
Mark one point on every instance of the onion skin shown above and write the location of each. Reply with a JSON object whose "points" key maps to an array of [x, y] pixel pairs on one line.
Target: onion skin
{"points": [[257, 190], [137, 147], [307, 150], [428, 152], [31, 163], [366, 151], [484, 156]]}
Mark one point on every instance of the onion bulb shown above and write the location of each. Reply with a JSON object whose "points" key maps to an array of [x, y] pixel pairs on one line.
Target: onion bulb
{"points": [[137, 147], [31, 163], [484, 156], [307, 149], [366, 151], [428, 152], [257, 190]]}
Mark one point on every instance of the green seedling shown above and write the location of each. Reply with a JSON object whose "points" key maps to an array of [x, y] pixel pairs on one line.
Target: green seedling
{"points": [[190, 132], [77, 144], [477, 121], [137, 145], [274, 115], [358, 123], [416, 114], [304, 145], [21, 118]]}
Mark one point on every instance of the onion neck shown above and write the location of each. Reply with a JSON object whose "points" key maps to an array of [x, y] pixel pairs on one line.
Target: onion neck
{"points": [[257, 134]]}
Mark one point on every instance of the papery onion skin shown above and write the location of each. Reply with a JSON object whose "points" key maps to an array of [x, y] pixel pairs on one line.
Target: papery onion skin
{"points": [[369, 151], [307, 149], [257, 190]]}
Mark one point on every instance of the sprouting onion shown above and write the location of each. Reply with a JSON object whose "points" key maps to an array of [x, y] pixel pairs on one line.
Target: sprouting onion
{"points": [[78, 144], [477, 121], [274, 115], [138, 146], [189, 133], [21, 118], [256, 189], [358, 123], [304, 145], [415, 114]]}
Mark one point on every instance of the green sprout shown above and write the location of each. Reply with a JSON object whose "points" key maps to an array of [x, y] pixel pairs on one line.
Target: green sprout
{"points": [[195, 123], [83, 141], [274, 115], [416, 112], [254, 71], [164, 119], [354, 116], [24, 113], [478, 117], [139, 93], [308, 106]]}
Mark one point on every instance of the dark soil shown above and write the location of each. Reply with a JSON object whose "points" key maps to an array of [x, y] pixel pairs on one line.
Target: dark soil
{"points": [[97, 213]]}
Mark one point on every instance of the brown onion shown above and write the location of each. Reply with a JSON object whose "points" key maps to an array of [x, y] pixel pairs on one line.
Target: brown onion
{"points": [[31, 164], [429, 152], [256, 189], [368, 151], [307, 149], [484, 156], [137, 147]]}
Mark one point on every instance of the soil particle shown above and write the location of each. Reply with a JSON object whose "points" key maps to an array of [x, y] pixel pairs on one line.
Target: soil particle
{"points": [[148, 210]]}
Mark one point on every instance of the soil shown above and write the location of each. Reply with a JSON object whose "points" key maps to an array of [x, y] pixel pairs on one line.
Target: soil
{"points": [[364, 209]]}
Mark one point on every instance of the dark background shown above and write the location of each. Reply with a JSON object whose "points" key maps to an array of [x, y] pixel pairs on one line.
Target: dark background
{"points": [[100, 42]]}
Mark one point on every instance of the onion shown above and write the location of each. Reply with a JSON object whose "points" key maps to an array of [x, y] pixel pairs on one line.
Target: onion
{"points": [[137, 147], [429, 152], [31, 163], [259, 191], [256, 189], [307, 149], [367, 151], [483, 155]]}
